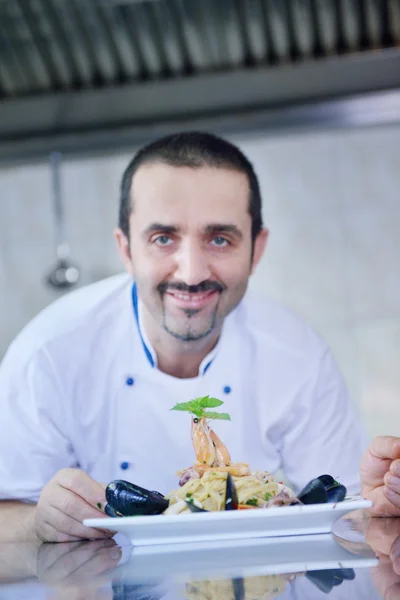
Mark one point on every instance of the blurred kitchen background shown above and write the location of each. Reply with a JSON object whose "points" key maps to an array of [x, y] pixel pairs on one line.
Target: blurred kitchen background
{"points": [[309, 89]]}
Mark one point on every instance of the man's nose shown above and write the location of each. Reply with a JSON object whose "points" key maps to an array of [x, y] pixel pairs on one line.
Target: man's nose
{"points": [[192, 264]]}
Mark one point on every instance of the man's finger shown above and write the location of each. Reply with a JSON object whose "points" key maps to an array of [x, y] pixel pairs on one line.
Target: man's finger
{"points": [[48, 533], [392, 495], [386, 447], [70, 526], [392, 481], [83, 485], [74, 505], [395, 468]]}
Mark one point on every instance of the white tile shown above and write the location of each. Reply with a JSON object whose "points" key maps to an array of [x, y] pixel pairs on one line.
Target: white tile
{"points": [[304, 266], [370, 180], [372, 259], [298, 173], [369, 166], [378, 344]]}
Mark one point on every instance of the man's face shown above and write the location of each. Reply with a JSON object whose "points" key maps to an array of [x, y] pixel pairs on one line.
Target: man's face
{"points": [[190, 248]]}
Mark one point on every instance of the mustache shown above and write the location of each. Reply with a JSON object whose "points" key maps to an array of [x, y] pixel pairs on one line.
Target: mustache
{"points": [[180, 286]]}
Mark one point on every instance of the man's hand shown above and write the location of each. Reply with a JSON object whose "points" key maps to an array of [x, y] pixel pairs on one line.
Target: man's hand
{"points": [[65, 501], [380, 476]]}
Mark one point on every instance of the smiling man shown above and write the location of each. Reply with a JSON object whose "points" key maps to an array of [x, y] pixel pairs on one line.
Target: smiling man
{"points": [[87, 387]]}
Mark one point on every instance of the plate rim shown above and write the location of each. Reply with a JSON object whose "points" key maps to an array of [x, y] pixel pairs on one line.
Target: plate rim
{"points": [[338, 507]]}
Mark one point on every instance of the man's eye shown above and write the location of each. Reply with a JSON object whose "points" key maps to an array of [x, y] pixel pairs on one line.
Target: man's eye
{"points": [[219, 241], [163, 240]]}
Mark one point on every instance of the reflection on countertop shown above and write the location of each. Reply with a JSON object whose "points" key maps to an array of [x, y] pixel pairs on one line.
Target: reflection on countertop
{"points": [[361, 559]]}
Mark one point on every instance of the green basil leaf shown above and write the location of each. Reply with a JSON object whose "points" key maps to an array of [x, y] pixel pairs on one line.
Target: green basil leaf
{"points": [[183, 406], [198, 413], [215, 415], [208, 402]]}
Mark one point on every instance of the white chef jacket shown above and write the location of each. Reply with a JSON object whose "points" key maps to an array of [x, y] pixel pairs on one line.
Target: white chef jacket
{"points": [[79, 387]]}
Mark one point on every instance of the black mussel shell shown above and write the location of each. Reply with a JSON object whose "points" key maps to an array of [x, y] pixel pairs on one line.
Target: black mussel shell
{"points": [[110, 512], [327, 480], [130, 499], [194, 508], [159, 494], [313, 493], [322, 489], [336, 493], [231, 497]]}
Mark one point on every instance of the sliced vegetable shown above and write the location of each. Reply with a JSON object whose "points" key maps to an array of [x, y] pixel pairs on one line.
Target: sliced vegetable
{"points": [[252, 502]]}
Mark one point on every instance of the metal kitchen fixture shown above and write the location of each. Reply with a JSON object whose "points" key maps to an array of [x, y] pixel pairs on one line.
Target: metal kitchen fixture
{"points": [[64, 274]]}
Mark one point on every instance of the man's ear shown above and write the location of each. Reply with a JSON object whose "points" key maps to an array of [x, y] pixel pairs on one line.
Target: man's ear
{"points": [[124, 250], [259, 246]]}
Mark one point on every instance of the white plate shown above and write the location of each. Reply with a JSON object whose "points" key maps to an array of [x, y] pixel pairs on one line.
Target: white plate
{"points": [[230, 525]]}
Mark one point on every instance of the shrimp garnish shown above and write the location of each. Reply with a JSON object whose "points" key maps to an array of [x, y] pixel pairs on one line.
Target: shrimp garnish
{"points": [[202, 442], [221, 451], [211, 453]]}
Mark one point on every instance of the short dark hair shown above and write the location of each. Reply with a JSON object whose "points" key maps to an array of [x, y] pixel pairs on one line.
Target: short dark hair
{"points": [[191, 149]]}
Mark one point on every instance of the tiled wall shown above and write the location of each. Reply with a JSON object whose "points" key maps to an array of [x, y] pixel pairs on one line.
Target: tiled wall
{"points": [[332, 204]]}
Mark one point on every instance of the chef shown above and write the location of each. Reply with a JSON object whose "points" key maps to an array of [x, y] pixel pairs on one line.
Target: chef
{"points": [[87, 387]]}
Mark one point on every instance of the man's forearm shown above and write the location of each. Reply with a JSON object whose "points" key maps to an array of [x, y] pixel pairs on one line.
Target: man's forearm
{"points": [[17, 521]]}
